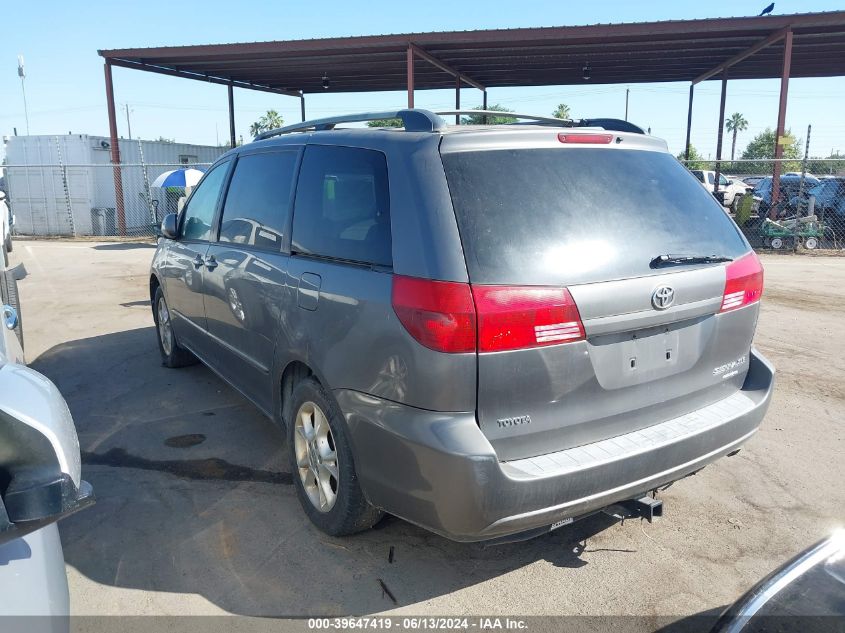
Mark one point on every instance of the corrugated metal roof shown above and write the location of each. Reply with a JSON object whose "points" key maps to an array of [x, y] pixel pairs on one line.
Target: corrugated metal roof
{"points": [[671, 50]]}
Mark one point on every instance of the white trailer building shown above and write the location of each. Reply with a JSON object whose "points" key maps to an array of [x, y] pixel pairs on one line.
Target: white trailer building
{"points": [[65, 185]]}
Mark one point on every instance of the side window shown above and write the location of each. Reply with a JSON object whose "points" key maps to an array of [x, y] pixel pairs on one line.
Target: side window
{"points": [[342, 205], [723, 181], [257, 205], [199, 214], [710, 178], [699, 175]]}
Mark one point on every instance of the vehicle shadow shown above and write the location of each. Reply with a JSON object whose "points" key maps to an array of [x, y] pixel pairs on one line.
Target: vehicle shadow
{"points": [[194, 496], [124, 246]]}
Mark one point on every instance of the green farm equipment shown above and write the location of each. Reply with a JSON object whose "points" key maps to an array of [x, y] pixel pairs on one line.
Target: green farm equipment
{"points": [[782, 233]]}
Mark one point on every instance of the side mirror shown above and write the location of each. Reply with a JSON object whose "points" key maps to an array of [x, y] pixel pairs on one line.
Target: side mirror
{"points": [[168, 226], [2, 195]]}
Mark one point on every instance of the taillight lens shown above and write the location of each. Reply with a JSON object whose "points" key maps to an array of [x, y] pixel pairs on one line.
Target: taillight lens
{"points": [[438, 314], [515, 317], [743, 282]]}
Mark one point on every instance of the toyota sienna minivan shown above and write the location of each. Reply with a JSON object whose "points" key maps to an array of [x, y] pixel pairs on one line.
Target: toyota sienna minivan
{"points": [[488, 331]]}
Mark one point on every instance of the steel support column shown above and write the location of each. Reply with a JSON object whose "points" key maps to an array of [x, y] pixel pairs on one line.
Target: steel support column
{"points": [[232, 139], [115, 153], [784, 92], [720, 135], [410, 60], [689, 121], [457, 99], [302, 104]]}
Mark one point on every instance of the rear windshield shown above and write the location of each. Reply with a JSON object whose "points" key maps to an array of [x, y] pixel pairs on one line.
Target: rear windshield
{"points": [[570, 216]]}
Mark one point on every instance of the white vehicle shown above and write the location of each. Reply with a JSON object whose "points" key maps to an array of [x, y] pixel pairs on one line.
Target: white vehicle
{"points": [[6, 222], [734, 189]]}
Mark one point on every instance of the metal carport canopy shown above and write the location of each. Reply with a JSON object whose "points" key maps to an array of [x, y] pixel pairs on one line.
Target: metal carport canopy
{"points": [[678, 50], [785, 46]]}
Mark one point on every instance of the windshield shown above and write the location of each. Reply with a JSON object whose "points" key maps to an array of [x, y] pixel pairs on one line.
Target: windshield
{"points": [[567, 216]]}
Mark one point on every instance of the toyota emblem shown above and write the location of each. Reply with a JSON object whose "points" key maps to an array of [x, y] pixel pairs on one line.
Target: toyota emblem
{"points": [[662, 297]]}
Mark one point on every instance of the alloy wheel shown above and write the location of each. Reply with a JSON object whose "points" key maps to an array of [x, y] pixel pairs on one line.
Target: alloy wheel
{"points": [[316, 456]]}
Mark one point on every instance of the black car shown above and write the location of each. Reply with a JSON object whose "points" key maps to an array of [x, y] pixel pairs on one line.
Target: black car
{"points": [[806, 594]]}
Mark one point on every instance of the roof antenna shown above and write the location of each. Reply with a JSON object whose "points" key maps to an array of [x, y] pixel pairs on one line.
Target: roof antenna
{"points": [[325, 81], [587, 71]]}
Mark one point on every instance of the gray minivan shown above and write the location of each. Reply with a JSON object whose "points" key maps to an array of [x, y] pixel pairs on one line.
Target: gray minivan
{"points": [[487, 331]]}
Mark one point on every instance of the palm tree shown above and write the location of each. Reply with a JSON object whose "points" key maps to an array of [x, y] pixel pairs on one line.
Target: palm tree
{"points": [[270, 121], [561, 112], [736, 123]]}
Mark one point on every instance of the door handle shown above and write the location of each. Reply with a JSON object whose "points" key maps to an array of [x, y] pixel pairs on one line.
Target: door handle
{"points": [[198, 261], [210, 262]]}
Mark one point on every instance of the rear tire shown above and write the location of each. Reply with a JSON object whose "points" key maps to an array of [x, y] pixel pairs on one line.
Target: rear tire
{"points": [[325, 452], [811, 243], [172, 354]]}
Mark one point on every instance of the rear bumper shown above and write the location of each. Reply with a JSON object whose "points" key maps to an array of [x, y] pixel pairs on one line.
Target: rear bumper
{"points": [[439, 471]]}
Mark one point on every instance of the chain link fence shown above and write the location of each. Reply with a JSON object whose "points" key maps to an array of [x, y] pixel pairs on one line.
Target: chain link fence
{"points": [[808, 212], [76, 200], [94, 199]]}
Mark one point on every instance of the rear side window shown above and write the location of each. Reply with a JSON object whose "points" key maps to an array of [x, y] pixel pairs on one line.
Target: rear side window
{"points": [[568, 216], [257, 206], [342, 205]]}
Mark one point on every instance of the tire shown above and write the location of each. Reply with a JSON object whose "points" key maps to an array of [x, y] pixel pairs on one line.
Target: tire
{"points": [[329, 445], [9, 243], [9, 295], [176, 355], [811, 243], [777, 243]]}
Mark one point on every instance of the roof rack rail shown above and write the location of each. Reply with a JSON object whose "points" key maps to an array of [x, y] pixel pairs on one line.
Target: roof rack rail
{"points": [[512, 115], [417, 120], [615, 125]]}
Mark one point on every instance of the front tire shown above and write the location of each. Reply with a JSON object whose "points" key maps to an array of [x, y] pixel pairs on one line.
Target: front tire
{"points": [[323, 465], [172, 354]]}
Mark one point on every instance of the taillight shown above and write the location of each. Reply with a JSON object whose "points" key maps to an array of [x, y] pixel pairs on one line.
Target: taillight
{"points": [[515, 317], [438, 314], [743, 282], [593, 139]]}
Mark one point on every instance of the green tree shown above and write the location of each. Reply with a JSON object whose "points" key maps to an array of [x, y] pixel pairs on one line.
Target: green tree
{"points": [[266, 122], [385, 123], [830, 166], [736, 123], [481, 119], [562, 112], [762, 147], [696, 160]]}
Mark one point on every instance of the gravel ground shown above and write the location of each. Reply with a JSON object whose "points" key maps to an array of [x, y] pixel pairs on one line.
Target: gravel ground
{"points": [[196, 514]]}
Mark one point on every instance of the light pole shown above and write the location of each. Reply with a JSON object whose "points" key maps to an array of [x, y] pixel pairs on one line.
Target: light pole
{"points": [[128, 124], [22, 75]]}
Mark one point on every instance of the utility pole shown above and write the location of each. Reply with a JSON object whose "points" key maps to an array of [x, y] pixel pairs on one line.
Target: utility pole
{"points": [[627, 90], [22, 75], [128, 124]]}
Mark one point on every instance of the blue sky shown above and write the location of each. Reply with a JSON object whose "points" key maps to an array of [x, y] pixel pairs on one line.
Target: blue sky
{"points": [[65, 91]]}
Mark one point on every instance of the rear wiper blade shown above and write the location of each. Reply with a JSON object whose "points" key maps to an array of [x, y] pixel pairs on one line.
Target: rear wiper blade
{"points": [[684, 260]]}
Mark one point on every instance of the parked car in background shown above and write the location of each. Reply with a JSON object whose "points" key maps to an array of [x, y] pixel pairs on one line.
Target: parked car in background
{"points": [[790, 187], [731, 189], [489, 331], [40, 473], [830, 197], [805, 594]]}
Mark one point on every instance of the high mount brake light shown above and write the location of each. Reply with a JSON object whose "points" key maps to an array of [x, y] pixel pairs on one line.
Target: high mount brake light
{"points": [[743, 282], [589, 139]]}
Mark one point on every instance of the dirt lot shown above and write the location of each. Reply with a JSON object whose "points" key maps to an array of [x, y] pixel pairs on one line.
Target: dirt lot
{"points": [[184, 527]]}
